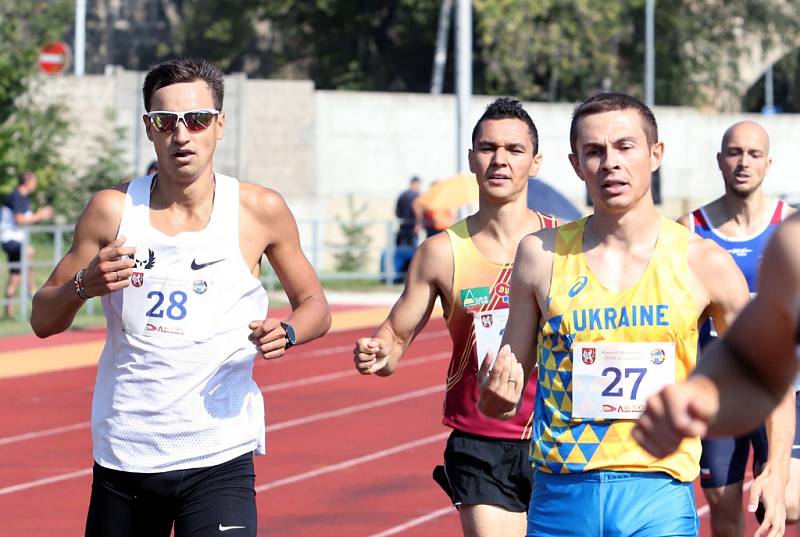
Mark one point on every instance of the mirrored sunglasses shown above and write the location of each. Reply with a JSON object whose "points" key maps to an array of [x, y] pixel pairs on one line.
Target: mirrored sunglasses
{"points": [[195, 120]]}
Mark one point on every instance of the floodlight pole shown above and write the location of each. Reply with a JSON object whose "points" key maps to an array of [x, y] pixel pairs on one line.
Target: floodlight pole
{"points": [[440, 57], [463, 80], [649, 53], [80, 36], [769, 92]]}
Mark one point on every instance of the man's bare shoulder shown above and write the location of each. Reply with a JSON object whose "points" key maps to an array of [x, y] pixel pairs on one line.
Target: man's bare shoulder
{"points": [[711, 210], [784, 243], [261, 201], [537, 244], [99, 222], [534, 262], [435, 255], [791, 225], [706, 257], [107, 203]]}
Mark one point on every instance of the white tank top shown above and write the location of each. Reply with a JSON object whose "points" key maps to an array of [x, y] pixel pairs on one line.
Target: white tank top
{"points": [[174, 385]]}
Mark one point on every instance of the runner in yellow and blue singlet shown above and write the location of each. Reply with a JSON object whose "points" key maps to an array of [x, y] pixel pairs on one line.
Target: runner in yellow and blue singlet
{"points": [[608, 307], [586, 397]]}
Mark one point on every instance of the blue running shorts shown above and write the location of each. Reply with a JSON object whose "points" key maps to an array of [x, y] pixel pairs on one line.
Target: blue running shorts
{"points": [[724, 459], [796, 445], [611, 504]]}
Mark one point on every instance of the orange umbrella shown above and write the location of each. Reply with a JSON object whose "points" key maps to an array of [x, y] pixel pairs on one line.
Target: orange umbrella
{"points": [[450, 193]]}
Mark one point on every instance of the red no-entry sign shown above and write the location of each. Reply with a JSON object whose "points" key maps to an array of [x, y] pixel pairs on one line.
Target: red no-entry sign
{"points": [[54, 58]]}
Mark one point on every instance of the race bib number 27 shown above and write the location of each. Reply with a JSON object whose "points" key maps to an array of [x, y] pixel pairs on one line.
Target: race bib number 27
{"points": [[613, 380]]}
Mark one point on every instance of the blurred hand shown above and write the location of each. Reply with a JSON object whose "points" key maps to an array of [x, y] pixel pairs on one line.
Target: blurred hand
{"points": [[110, 270], [501, 382], [269, 337], [44, 213], [370, 355], [769, 489], [678, 411]]}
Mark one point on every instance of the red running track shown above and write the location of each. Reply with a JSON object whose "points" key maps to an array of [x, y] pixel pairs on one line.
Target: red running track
{"points": [[347, 455]]}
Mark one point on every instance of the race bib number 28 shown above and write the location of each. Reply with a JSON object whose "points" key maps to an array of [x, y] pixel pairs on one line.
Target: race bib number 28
{"points": [[613, 380], [164, 307]]}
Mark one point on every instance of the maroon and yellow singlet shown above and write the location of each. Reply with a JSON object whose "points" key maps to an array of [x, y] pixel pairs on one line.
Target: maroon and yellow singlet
{"points": [[477, 320]]}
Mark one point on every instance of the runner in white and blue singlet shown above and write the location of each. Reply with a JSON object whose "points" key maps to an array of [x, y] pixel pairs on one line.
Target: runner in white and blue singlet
{"points": [[742, 221]]}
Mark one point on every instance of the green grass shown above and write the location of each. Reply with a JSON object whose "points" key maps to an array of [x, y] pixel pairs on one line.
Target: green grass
{"points": [[366, 286], [90, 319], [12, 327]]}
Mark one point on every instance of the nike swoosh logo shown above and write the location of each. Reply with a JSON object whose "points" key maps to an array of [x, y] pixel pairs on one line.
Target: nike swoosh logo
{"points": [[198, 266], [226, 528]]}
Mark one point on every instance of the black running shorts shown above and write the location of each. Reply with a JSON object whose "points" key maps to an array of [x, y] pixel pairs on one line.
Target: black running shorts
{"points": [[200, 502], [488, 471]]}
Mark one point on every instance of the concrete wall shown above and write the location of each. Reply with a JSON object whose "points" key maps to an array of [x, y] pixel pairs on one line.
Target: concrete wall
{"points": [[319, 147]]}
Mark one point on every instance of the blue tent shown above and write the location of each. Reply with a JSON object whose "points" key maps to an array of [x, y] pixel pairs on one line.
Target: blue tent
{"points": [[546, 199]]}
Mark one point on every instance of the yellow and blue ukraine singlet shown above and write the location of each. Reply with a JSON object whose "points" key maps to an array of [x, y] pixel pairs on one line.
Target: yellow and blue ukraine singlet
{"points": [[658, 308]]}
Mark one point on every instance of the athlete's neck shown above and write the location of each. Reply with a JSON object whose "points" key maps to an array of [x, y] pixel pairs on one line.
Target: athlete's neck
{"points": [[497, 228], [169, 191], [175, 208], [741, 215], [624, 230]]}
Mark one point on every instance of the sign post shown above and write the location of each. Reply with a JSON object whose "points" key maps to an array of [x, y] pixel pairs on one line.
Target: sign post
{"points": [[54, 58]]}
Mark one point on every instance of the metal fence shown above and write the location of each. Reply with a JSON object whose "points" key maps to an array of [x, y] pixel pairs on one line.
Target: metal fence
{"points": [[321, 241]]}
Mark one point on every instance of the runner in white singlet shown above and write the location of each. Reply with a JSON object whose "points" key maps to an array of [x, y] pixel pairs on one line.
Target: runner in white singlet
{"points": [[176, 414]]}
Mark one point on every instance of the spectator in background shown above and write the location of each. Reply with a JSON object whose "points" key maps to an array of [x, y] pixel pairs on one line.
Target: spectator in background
{"points": [[15, 214], [152, 168], [434, 220], [404, 210]]}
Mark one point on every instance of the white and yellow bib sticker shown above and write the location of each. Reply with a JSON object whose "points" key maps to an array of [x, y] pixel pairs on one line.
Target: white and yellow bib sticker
{"points": [[612, 380], [489, 329]]}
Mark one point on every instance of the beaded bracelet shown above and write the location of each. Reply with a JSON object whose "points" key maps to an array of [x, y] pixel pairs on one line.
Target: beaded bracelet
{"points": [[79, 288]]}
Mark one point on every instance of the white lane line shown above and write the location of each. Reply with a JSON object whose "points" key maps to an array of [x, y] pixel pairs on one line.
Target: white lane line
{"points": [[351, 462], [270, 428], [45, 432], [266, 389], [339, 349], [45, 481], [355, 408], [347, 373], [415, 522]]}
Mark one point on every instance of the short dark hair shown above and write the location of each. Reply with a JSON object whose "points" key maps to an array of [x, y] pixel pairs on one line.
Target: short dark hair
{"points": [[182, 70], [25, 176], [611, 102], [508, 108]]}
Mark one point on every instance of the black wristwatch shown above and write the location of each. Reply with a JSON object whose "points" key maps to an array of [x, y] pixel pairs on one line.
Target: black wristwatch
{"points": [[291, 338]]}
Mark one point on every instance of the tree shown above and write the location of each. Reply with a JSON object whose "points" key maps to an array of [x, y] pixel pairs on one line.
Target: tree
{"points": [[568, 49], [30, 133], [380, 46], [706, 48], [107, 169], [541, 50], [786, 87], [550, 50], [352, 256]]}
